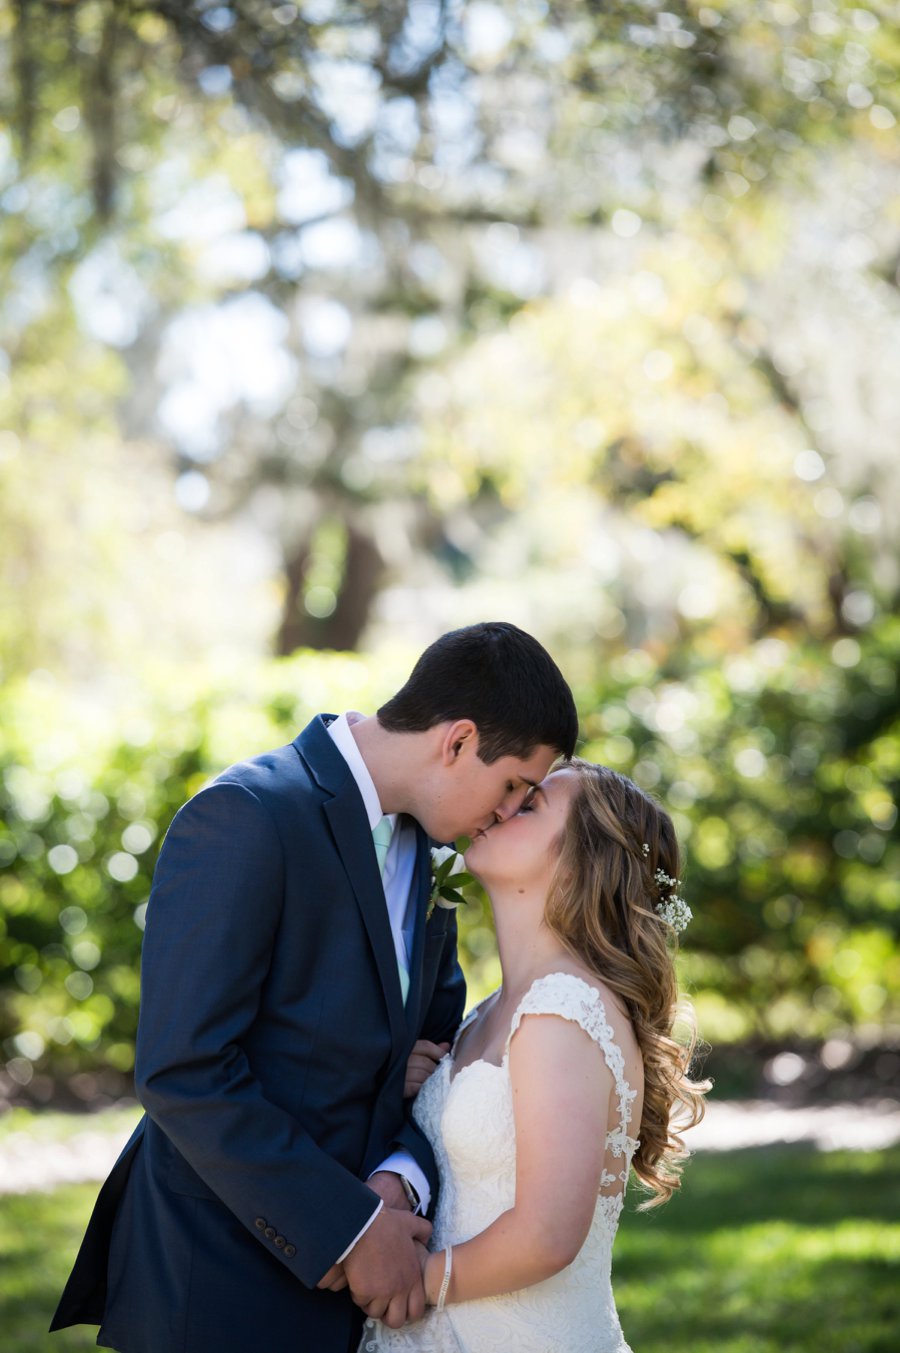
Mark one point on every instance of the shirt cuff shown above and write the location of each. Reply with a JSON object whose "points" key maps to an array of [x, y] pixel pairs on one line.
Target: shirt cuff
{"points": [[401, 1162], [342, 1257]]}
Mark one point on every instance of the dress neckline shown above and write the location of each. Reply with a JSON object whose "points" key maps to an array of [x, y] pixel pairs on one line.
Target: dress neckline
{"points": [[473, 1014], [478, 1061], [612, 1052]]}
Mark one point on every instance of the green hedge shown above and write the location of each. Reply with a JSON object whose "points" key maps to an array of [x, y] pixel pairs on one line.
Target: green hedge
{"points": [[781, 769]]}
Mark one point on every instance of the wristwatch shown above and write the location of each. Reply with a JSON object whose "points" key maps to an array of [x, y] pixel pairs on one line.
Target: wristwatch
{"points": [[411, 1196]]}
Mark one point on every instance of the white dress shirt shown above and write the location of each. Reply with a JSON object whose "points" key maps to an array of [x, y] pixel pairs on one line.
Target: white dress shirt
{"points": [[397, 878]]}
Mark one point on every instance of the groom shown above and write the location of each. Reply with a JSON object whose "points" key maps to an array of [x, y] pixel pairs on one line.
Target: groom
{"points": [[289, 965]]}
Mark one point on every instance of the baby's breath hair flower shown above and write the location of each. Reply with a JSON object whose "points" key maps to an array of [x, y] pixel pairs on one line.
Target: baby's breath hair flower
{"points": [[675, 912], [673, 909]]}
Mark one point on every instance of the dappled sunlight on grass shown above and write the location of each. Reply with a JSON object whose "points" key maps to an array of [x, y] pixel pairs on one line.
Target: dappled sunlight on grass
{"points": [[55, 1127], [772, 1251], [39, 1236], [767, 1251]]}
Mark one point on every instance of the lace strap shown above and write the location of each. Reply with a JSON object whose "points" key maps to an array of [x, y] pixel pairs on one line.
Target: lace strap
{"points": [[564, 994]]}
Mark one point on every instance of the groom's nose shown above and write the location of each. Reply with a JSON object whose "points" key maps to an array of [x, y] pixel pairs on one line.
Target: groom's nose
{"points": [[511, 804]]}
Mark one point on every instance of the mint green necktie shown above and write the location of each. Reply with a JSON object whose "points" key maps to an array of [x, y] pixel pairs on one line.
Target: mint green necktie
{"points": [[381, 838], [381, 835]]}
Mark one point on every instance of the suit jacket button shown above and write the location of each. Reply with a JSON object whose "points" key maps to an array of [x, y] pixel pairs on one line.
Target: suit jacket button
{"points": [[270, 1233], [290, 1251], [260, 1223], [279, 1242]]}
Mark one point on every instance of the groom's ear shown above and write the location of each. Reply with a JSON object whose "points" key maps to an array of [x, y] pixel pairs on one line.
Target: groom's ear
{"points": [[460, 736]]}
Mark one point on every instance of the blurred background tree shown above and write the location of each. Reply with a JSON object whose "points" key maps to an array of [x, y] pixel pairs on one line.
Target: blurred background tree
{"points": [[331, 326]]}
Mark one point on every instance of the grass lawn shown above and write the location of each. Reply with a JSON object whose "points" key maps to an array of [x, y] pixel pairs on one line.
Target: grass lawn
{"points": [[48, 1126], [766, 1251]]}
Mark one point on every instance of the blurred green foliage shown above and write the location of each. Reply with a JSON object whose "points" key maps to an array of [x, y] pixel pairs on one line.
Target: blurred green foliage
{"points": [[780, 767], [84, 804], [584, 317], [666, 209]]}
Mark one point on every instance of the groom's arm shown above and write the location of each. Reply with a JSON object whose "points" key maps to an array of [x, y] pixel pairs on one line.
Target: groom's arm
{"points": [[211, 925]]}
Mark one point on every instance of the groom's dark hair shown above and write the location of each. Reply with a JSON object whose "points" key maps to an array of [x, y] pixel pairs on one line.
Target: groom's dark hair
{"points": [[499, 677]]}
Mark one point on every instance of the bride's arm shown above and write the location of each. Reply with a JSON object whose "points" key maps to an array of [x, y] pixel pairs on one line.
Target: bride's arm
{"points": [[562, 1091]]}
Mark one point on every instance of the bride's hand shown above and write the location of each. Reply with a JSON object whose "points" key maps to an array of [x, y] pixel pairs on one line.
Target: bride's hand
{"points": [[422, 1062], [432, 1274]]}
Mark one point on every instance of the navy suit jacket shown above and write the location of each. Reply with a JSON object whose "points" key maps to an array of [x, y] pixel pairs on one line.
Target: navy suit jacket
{"points": [[271, 1052]]}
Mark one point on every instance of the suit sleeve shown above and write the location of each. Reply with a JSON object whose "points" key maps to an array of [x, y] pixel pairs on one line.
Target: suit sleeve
{"points": [[211, 923]]}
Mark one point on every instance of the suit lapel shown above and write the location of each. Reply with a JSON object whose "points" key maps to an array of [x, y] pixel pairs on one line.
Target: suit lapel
{"points": [[350, 827], [421, 886]]}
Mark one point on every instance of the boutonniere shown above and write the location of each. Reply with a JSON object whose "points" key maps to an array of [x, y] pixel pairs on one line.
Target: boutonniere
{"points": [[446, 864]]}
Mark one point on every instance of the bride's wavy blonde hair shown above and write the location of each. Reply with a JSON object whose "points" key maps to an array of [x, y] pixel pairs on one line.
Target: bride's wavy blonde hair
{"points": [[601, 906]]}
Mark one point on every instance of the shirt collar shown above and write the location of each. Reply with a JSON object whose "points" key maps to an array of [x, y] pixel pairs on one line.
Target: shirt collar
{"points": [[343, 739]]}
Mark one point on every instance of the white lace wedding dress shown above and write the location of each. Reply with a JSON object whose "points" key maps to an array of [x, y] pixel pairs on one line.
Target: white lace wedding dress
{"points": [[468, 1119]]}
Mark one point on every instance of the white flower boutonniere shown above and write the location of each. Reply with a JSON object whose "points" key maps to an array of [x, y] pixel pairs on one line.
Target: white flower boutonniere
{"points": [[446, 864]]}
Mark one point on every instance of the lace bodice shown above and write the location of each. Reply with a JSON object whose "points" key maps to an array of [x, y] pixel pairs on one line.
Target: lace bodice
{"points": [[468, 1119]]}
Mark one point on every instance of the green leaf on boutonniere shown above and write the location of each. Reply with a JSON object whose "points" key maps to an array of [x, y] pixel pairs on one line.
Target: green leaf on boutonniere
{"points": [[448, 876]]}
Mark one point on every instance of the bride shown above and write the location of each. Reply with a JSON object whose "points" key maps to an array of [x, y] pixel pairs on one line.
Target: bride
{"points": [[559, 1082]]}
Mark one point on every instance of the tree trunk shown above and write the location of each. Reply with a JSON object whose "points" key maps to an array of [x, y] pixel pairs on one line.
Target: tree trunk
{"points": [[360, 584], [290, 631]]}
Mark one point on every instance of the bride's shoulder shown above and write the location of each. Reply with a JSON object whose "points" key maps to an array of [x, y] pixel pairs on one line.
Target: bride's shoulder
{"points": [[572, 985], [574, 979]]}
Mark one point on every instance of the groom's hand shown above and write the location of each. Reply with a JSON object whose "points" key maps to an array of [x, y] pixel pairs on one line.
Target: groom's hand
{"points": [[335, 1280], [384, 1271], [389, 1189], [423, 1062]]}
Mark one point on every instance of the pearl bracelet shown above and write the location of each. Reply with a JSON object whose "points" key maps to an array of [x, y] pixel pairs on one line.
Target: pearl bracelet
{"points": [[448, 1269]]}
